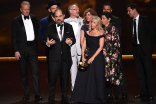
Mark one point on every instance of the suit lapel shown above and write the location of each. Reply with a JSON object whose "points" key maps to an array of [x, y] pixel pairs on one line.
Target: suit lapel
{"points": [[131, 27], [55, 31], [131, 23], [33, 22], [21, 23], [139, 24], [65, 30]]}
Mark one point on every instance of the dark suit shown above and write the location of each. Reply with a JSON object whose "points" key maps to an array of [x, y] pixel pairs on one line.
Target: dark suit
{"points": [[44, 22], [143, 54], [59, 58], [116, 21], [27, 50]]}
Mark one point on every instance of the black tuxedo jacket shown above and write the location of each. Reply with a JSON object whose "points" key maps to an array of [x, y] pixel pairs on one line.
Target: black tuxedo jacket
{"points": [[146, 34], [60, 47], [18, 33], [116, 21]]}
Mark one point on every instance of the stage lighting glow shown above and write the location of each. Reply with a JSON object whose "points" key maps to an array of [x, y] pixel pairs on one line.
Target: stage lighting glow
{"points": [[43, 58], [147, 1]]}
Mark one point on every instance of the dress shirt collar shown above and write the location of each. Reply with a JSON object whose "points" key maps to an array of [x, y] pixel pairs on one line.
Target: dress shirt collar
{"points": [[23, 16], [60, 24], [73, 20], [137, 18]]}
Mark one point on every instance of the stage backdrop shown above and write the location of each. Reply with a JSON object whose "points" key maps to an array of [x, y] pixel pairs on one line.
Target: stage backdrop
{"points": [[9, 9]]}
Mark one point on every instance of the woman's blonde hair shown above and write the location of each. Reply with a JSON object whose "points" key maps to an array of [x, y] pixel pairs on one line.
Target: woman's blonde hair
{"points": [[98, 22], [91, 11]]}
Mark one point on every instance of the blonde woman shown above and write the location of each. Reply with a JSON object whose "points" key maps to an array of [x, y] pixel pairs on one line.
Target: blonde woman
{"points": [[90, 84]]}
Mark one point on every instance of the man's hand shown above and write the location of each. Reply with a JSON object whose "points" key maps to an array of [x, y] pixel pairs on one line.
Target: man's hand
{"points": [[50, 42], [17, 55], [68, 41]]}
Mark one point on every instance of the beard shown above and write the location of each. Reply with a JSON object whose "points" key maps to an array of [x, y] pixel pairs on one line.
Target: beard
{"points": [[59, 21], [52, 14]]}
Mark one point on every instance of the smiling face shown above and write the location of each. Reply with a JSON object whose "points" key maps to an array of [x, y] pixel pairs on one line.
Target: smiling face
{"points": [[107, 8], [25, 9], [59, 17], [93, 24], [130, 12], [105, 21]]}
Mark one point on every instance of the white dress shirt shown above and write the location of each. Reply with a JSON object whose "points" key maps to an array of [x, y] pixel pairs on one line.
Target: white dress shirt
{"points": [[74, 24], [137, 22], [28, 28], [58, 31]]}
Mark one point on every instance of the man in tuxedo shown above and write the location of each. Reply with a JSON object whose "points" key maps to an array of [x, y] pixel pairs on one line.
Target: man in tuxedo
{"points": [[76, 23], [58, 38], [143, 39], [116, 21], [44, 22], [24, 30]]}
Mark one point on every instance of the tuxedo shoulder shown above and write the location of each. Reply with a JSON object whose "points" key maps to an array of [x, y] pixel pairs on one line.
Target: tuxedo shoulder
{"points": [[131, 20], [65, 20], [17, 17], [145, 17], [43, 19], [67, 23], [32, 15], [115, 17], [51, 24]]}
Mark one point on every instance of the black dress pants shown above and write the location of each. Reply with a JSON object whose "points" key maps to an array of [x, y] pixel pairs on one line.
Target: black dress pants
{"points": [[30, 56], [55, 69], [115, 89], [143, 65], [123, 86]]}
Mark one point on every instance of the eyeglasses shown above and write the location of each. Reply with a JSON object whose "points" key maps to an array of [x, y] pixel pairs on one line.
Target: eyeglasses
{"points": [[75, 9]]}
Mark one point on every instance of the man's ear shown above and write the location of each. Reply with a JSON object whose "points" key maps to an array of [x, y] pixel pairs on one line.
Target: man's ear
{"points": [[135, 10], [21, 9], [69, 11], [49, 10], [111, 10], [64, 15]]}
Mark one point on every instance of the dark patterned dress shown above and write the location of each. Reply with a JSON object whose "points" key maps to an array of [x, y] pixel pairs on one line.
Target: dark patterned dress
{"points": [[90, 84], [111, 53]]}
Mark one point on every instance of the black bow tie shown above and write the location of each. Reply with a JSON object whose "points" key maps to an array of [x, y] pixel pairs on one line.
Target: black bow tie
{"points": [[26, 17], [59, 25]]}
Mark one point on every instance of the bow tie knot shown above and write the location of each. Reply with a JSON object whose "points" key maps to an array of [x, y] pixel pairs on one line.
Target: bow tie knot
{"points": [[26, 17], [59, 25], [73, 20]]}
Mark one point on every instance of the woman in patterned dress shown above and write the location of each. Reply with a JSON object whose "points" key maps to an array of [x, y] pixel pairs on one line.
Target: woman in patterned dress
{"points": [[111, 53]]}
